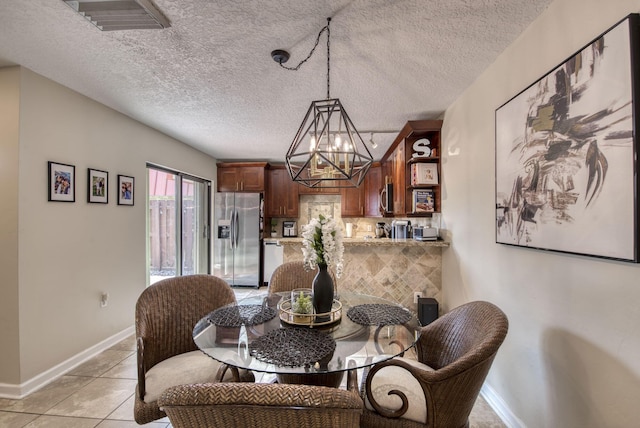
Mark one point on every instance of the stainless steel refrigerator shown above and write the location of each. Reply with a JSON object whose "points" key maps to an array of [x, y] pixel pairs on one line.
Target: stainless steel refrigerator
{"points": [[237, 243]]}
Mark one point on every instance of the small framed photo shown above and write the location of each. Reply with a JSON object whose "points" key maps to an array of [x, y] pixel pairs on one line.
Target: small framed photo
{"points": [[424, 173], [98, 186], [62, 182], [125, 190]]}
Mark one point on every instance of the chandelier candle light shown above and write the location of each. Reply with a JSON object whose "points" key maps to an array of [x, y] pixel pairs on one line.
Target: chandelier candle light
{"points": [[327, 150], [322, 247]]}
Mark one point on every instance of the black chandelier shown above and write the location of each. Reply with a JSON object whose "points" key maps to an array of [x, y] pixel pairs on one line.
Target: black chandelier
{"points": [[327, 150]]}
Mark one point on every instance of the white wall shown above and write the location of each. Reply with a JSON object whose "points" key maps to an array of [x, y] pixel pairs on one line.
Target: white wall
{"points": [[69, 253], [9, 125], [571, 355]]}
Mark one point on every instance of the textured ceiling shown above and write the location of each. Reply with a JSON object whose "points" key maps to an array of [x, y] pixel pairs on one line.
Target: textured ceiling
{"points": [[210, 82]]}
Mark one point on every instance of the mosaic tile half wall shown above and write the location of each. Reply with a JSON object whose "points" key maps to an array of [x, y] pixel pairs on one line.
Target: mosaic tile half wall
{"points": [[393, 272]]}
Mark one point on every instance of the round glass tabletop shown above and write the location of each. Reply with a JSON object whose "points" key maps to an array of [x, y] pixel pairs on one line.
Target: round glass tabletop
{"points": [[252, 335]]}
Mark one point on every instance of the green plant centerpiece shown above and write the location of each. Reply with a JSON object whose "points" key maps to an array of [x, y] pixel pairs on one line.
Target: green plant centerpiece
{"points": [[302, 306]]}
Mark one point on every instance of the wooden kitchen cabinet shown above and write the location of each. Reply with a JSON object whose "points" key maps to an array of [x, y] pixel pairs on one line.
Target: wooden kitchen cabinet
{"points": [[398, 164], [372, 188], [304, 190], [352, 201], [281, 196], [241, 176], [387, 175], [363, 201], [399, 180], [423, 160], [393, 166]]}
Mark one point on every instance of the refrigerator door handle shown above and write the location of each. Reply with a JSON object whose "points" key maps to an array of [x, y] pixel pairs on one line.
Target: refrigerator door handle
{"points": [[235, 228], [232, 231]]}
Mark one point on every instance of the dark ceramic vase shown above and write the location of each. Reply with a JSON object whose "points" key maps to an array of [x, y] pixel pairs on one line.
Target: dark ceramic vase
{"points": [[322, 292]]}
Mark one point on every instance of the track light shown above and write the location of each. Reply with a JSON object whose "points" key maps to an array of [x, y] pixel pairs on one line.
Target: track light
{"points": [[373, 143]]}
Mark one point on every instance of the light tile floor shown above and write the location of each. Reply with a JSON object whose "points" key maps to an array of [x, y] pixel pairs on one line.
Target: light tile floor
{"points": [[99, 393]]}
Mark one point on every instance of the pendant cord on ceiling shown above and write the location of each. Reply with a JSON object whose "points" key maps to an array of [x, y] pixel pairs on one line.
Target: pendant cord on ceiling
{"points": [[297, 67]]}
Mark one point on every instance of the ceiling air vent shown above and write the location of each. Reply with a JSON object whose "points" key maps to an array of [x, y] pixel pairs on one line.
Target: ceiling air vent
{"points": [[110, 15]]}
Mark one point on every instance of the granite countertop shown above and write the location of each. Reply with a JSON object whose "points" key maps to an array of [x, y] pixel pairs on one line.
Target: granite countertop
{"points": [[370, 242]]}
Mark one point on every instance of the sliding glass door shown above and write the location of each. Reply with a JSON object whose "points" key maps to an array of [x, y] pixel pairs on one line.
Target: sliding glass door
{"points": [[178, 224], [195, 226]]}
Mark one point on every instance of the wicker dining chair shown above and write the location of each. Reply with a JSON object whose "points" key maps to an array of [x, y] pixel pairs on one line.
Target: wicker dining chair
{"points": [[166, 313], [291, 275], [439, 390], [261, 405]]}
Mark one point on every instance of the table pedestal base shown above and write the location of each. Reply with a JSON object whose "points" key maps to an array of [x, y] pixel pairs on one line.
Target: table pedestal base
{"points": [[320, 379]]}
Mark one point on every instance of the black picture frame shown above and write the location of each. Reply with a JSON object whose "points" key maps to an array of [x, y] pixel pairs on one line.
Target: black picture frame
{"points": [[566, 153], [97, 186], [126, 190], [61, 182]]}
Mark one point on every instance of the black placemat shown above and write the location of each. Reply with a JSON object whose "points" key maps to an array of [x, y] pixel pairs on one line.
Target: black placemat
{"points": [[292, 347], [235, 316], [378, 314]]}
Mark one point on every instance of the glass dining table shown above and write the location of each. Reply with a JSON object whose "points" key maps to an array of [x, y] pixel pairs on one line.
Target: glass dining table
{"points": [[257, 334]]}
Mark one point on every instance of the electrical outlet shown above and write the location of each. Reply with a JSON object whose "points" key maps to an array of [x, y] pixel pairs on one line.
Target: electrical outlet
{"points": [[368, 228], [416, 296]]}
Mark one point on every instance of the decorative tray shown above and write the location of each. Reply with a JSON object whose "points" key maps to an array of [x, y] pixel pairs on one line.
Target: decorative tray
{"points": [[311, 320]]}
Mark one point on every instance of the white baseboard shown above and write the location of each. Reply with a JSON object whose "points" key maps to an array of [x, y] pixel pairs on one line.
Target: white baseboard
{"points": [[500, 407], [15, 392]]}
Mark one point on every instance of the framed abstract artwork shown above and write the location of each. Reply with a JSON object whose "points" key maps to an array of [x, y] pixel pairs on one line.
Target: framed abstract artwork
{"points": [[62, 182], [566, 151], [125, 190], [97, 186]]}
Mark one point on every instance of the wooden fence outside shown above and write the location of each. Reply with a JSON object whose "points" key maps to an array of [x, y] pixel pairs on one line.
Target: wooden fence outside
{"points": [[162, 236]]}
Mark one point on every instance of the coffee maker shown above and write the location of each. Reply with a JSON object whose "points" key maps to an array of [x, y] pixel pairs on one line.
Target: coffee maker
{"points": [[401, 229], [289, 229]]}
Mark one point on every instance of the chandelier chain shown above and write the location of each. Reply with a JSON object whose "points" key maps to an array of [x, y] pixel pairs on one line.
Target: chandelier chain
{"points": [[328, 56], [297, 67]]}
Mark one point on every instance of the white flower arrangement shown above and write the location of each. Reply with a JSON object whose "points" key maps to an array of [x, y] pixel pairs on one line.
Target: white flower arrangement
{"points": [[322, 244]]}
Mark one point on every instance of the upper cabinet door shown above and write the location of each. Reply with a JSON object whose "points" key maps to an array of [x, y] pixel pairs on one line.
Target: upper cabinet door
{"points": [[281, 196], [372, 189], [228, 180], [352, 201], [399, 180], [252, 179], [241, 177]]}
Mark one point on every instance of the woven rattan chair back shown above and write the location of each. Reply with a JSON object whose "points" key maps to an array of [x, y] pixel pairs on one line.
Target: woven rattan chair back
{"points": [[291, 275], [166, 313], [242, 405], [460, 347], [473, 331]]}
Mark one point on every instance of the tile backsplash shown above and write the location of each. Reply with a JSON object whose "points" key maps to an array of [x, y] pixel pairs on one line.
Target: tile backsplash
{"points": [[312, 205]]}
